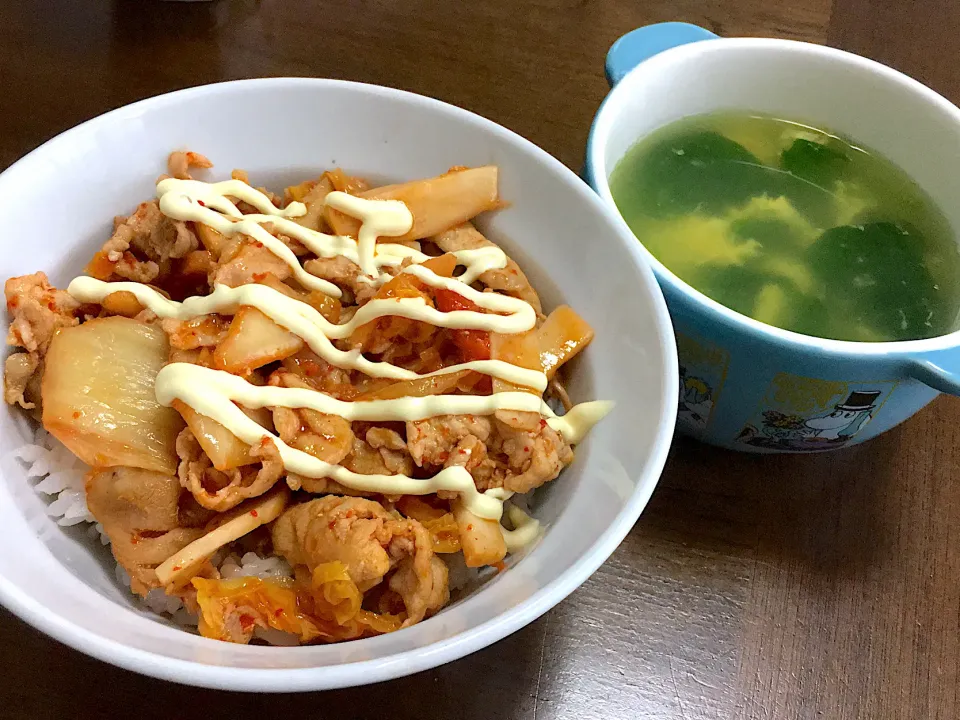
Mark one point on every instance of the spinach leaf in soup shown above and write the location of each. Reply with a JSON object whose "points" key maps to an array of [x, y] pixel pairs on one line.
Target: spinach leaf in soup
{"points": [[693, 172], [815, 162], [877, 274], [808, 176]]}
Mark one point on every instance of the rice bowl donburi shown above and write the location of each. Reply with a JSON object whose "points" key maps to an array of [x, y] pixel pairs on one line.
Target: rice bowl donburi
{"points": [[304, 416]]}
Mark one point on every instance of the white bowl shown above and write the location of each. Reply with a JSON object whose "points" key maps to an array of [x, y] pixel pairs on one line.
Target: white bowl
{"points": [[57, 204]]}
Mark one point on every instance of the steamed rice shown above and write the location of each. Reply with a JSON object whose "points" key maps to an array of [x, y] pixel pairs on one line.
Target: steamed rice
{"points": [[252, 565], [56, 472]]}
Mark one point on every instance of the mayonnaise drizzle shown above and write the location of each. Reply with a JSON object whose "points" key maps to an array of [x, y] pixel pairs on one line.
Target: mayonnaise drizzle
{"points": [[479, 260], [576, 422], [196, 201], [216, 393], [218, 407], [191, 383], [525, 529], [378, 218], [306, 322]]}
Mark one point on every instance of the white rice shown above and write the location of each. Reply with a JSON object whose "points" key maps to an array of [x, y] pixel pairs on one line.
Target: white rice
{"points": [[276, 637], [459, 574], [58, 473], [252, 565]]}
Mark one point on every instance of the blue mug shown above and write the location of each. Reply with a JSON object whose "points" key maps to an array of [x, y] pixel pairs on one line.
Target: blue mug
{"points": [[746, 385]]}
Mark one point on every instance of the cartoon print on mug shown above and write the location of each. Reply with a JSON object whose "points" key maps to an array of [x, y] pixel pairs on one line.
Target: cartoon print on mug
{"points": [[806, 415], [703, 369]]}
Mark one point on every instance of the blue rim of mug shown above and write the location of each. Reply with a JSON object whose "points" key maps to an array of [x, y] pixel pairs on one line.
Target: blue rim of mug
{"points": [[596, 175]]}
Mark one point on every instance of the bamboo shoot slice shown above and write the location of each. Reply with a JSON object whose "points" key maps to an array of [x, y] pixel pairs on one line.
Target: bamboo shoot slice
{"points": [[245, 519], [254, 340]]}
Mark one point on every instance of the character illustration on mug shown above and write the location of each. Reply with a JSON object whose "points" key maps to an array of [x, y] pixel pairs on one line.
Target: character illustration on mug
{"points": [[696, 399], [787, 422], [703, 369]]}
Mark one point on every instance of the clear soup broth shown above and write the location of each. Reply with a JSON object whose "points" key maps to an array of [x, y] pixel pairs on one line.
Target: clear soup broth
{"points": [[792, 226]]}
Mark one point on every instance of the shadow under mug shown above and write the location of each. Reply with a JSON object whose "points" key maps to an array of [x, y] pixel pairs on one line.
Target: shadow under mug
{"points": [[745, 385]]}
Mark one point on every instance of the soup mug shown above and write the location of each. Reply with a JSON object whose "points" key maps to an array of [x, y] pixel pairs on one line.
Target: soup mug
{"points": [[746, 385]]}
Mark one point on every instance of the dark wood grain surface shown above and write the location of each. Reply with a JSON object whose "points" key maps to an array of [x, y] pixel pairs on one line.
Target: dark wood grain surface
{"points": [[786, 587]]}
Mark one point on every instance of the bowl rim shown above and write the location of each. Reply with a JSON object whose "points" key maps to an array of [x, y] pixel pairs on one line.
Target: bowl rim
{"points": [[714, 311], [462, 643]]}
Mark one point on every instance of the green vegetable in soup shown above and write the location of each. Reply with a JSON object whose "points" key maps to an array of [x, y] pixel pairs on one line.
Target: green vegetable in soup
{"points": [[815, 162], [877, 272], [686, 175]]}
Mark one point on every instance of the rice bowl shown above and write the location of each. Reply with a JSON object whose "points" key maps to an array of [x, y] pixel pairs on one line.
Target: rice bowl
{"points": [[615, 470]]}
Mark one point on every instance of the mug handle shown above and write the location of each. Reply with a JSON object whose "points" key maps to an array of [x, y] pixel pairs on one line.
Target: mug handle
{"points": [[940, 370], [645, 42]]}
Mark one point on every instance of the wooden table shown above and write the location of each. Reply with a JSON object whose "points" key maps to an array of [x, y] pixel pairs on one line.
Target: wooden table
{"points": [[784, 587]]}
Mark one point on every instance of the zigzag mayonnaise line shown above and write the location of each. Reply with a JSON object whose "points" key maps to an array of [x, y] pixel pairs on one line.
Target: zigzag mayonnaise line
{"points": [[303, 320], [215, 393], [193, 200]]}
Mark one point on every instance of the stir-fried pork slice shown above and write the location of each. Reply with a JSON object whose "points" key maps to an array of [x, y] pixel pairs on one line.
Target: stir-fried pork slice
{"points": [[349, 530], [421, 577], [367, 460], [221, 490], [21, 380], [532, 457], [307, 370], [370, 542], [179, 163], [392, 448], [423, 586], [433, 441], [134, 500], [381, 437], [313, 198], [341, 271], [198, 332], [516, 451], [246, 262], [322, 486], [140, 512], [345, 274], [37, 311], [152, 234], [470, 453], [509, 279], [326, 437]]}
